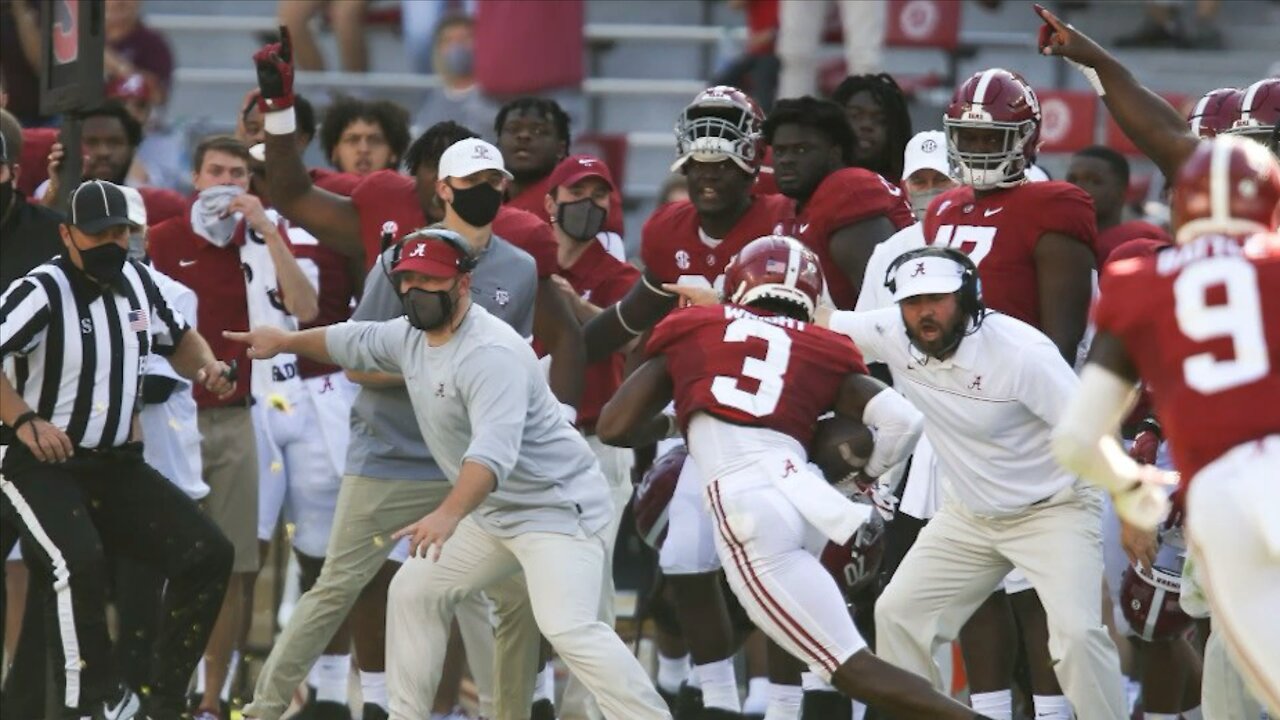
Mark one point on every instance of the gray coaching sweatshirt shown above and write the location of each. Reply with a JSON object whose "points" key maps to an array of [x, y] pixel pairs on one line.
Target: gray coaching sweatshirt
{"points": [[483, 397]]}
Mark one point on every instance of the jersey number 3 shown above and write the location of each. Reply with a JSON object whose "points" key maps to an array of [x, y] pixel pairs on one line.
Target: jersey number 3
{"points": [[1239, 319], [769, 370]]}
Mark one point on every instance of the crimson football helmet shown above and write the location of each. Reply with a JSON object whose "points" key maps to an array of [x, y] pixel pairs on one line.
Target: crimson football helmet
{"points": [[855, 565], [721, 123], [999, 101], [1259, 111], [777, 267], [1229, 186], [653, 496], [1149, 597], [1215, 112]]}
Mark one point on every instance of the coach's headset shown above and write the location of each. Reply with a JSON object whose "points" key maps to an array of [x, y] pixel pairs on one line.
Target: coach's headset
{"points": [[970, 292], [466, 262]]}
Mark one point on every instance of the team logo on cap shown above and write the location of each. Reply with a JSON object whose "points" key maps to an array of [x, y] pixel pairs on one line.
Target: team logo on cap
{"points": [[682, 260], [586, 161], [919, 270], [929, 145], [480, 152], [419, 250]]}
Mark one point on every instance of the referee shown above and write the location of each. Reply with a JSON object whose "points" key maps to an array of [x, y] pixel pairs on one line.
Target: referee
{"points": [[78, 328]]}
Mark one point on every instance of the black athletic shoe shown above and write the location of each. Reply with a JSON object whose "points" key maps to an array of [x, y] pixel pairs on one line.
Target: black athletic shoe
{"points": [[688, 703], [373, 711], [329, 710], [542, 710], [668, 698], [719, 714], [122, 704], [822, 705]]}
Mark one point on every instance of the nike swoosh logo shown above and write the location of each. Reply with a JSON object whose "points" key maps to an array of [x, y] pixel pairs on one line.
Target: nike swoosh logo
{"points": [[186, 263], [804, 227], [126, 708], [989, 213]]}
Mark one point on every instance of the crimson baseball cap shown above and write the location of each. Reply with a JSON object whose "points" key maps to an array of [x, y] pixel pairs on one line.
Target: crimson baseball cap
{"points": [[98, 205], [429, 254], [577, 168]]}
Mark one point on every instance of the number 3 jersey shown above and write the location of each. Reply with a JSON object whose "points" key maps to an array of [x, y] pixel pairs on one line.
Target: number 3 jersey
{"points": [[999, 232], [1201, 323], [752, 368]]}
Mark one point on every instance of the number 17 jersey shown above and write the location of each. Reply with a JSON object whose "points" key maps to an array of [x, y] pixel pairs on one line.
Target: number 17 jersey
{"points": [[752, 368], [1201, 323]]}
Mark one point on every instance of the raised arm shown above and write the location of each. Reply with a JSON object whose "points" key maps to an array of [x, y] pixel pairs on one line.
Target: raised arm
{"points": [[1154, 125], [297, 293], [333, 219], [627, 319]]}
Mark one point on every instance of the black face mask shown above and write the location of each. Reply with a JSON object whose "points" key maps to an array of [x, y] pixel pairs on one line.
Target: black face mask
{"points": [[6, 198], [429, 309], [104, 263], [581, 219], [477, 206]]}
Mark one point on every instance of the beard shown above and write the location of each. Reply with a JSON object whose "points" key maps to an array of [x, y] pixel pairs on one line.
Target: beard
{"points": [[944, 339]]}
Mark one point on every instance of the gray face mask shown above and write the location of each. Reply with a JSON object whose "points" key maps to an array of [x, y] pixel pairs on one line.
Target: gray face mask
{"points": [[458, 60], [137, 245], [920, 200], [207, 214]]}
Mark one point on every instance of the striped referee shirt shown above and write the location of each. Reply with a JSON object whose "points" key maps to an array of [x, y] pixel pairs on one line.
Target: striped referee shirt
{"points": [[78, 350]]}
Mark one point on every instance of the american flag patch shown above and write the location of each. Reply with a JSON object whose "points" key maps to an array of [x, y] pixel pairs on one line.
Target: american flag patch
{"points": [[775, 266], [138, 320]]}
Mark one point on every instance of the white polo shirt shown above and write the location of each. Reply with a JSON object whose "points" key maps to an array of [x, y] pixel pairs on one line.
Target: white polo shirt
{"points": [[874, 294], [989, 409]]}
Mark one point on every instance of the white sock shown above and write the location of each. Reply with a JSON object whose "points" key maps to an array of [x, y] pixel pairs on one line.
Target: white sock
{"points": [[1193, 714], [373, 688], [1132, 691], [693, 680], [812, 683], [784, 702], [332, 675], [996, 705], [232, 667], [719, 685], [859, 710], [1052, 707], [544, 687], [672, 672], [757, 696], [1161, 716]]}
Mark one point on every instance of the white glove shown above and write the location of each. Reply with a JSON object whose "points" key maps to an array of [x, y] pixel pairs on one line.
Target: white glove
{"points": [[1146, 503]]}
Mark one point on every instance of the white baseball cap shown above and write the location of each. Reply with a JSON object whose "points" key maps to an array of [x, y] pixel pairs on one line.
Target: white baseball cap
{"points": [[927, 149], [470, 156], [927, 275]]}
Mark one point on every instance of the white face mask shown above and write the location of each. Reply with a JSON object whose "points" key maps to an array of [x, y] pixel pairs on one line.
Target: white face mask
{"points": [[920, 200], [207, 214]]}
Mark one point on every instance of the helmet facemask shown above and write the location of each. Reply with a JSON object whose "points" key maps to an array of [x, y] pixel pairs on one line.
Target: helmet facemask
{"points": [[990, 170], [716, 134], [778, 293]]}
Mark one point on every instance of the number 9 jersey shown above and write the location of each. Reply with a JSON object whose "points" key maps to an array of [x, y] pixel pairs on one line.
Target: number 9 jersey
{"points": [[1201, 323], [749, 367]]}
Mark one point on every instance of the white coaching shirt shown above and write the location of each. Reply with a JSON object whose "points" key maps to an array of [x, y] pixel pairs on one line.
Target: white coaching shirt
{"points": [[989, 409]]}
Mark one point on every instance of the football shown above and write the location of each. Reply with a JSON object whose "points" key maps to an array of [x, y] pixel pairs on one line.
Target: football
{"points": [[841, 447]]}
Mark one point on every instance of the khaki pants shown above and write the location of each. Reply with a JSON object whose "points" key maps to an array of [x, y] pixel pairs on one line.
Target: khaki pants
{"points": [[960, 558], [564, 577], [228, 448], [616, 463], [800, 27], [369, 511]]}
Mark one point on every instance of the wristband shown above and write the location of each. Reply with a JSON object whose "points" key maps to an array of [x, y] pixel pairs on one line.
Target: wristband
{"points": [[617, 309], [24, 418], [280, 122], [673, 427], [1091, 75]]}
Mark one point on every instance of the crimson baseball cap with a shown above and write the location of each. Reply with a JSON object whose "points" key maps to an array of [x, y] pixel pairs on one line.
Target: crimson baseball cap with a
{"points": [[576, 168], [470, 156], [98, 205], [427, 253], [928, 275]]}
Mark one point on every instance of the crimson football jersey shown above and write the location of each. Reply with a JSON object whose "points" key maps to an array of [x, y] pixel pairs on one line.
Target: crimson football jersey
{"points": [[1201, 322], [387, 200], [753, 368], [999, 232], [602, 280], [1117, 235], [845, 197], [335, 292], [674, 249]]}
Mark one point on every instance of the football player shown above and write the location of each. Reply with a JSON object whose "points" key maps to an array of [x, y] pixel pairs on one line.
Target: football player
{"points": [[877, 111], [1201, 325], [749, 380], [842, 211], [690, 242], [1103, 173]]}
